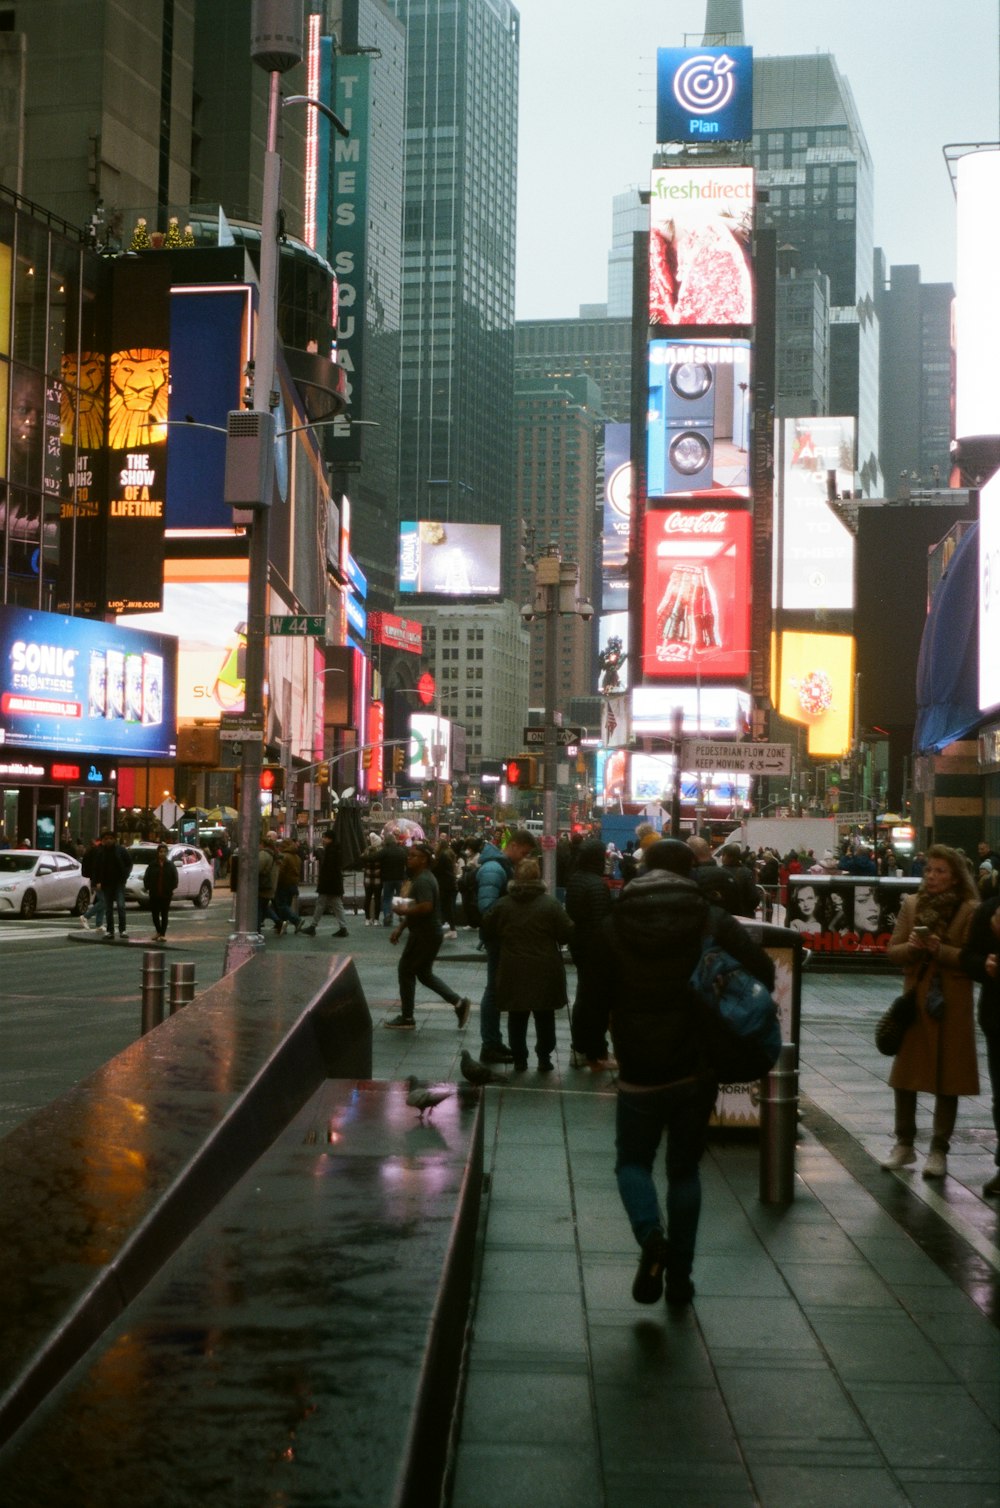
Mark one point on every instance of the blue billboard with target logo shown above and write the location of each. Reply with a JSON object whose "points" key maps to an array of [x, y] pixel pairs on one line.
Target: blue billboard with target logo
{"points": [[704, 94]]}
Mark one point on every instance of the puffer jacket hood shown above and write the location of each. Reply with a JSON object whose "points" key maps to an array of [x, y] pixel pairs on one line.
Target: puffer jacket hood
{"points": [[527, 892], [658, 913]]}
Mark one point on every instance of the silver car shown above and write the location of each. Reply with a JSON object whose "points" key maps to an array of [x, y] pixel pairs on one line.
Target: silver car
{"points": [[195, 876], [35, 879]]}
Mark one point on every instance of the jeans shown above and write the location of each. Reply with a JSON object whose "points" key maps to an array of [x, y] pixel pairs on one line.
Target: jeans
{"points": [[159, 910], [266, 911], [332, 905], [683, 1110], [111, 904], [390, 890], [489, 1011], [417, 962], [284, 896], [545, 1034], [945, 1116], [95, 911]]}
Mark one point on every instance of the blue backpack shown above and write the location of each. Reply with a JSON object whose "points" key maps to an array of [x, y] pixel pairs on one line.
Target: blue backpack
{"points": [[740, 1031]]}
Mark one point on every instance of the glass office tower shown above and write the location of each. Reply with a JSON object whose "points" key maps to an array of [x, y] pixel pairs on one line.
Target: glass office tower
{"points": [[457, 353]]}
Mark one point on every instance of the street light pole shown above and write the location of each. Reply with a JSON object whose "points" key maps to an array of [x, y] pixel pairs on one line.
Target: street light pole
{"points": [[277, 45]]}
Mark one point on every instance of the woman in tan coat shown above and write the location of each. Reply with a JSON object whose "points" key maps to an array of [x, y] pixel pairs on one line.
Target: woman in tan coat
{"points": [[938, 1055]]}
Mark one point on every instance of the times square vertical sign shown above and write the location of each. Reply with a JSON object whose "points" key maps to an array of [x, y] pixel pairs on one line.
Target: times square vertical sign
{"points": [[352, 102]]}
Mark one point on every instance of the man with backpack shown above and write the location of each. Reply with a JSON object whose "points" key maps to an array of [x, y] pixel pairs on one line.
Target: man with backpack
{"points": [[493, 873], [651, 943]]}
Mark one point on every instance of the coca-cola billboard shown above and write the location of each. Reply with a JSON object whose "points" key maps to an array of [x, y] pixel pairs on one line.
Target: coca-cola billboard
{"points": [[696, 594]]}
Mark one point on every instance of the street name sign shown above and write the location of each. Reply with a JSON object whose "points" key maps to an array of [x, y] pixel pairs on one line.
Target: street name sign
{"points": [[297, 625], [234, 729], [727, 756]]}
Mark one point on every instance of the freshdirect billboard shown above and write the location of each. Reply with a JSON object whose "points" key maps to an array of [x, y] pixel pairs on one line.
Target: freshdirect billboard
{"points": [[449, 560], [700, 229], [698, 419], [696, 595], [816, 562], [80, 683]]}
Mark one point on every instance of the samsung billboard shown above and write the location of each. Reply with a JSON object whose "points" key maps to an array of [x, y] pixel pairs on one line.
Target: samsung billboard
{"points": [[698, 419], [449, 560], [80, 683]]}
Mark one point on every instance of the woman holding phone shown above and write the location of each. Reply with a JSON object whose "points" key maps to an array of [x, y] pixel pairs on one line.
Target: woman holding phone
{"points": [[938, 1053]]}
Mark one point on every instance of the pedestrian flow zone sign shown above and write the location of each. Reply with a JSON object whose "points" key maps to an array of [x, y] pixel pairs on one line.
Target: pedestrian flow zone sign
{"points": [[711, 755]]}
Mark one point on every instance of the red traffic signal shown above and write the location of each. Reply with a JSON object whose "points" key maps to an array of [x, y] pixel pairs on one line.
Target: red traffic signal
{"points": [[521, 772]]}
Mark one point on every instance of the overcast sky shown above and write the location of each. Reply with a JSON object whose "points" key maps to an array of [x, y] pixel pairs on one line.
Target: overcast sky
{"points": [[922, 74]]}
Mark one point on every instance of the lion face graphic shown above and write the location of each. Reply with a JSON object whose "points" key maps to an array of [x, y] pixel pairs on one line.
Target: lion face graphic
{"points": [[137, 404]]}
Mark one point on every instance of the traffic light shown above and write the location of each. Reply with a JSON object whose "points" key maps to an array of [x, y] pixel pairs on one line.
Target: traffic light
{"points": [[366, 759], [522, 772], [398, 758], [272, 779], [446, 794], [323, 774]]}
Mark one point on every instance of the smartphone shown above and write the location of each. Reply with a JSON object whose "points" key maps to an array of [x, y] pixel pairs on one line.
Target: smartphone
{"points": [[922, 933]]}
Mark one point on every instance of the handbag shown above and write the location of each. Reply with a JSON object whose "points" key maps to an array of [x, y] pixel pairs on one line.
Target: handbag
{"points": [[895, 1023]]}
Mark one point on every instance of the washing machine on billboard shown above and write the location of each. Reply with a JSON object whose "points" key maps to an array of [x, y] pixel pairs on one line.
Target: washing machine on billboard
{"points": [[682, 425]]}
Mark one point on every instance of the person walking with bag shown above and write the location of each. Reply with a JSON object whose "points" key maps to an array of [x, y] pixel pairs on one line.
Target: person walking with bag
{"points": [[159, 883], [651, 944], [528, 928], [938, 1052]]}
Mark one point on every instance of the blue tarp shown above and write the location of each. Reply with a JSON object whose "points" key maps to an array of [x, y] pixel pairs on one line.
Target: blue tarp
{"points": [[948, 665]]}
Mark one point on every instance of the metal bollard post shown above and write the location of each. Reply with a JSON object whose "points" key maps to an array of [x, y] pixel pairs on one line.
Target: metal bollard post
{"points": [[153, 989], [779, 1103], [181, 985]]}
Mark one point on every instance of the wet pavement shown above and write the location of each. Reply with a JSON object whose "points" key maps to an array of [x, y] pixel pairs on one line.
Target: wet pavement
{"points": [[842, 1350]]}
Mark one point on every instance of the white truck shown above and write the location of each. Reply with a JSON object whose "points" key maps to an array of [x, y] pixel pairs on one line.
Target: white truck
{"points": [[784, 833]]}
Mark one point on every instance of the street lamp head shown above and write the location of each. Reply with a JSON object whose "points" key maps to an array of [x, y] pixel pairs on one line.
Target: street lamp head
{"points": [[528, 613], [277, 34]]}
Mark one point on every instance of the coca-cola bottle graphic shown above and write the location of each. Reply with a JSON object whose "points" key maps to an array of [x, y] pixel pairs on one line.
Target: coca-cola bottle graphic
{"points": [[675, 619], [706, 636]]}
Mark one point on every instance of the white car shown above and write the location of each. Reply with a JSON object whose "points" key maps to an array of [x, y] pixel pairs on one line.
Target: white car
{"points": [[195, 876], [35, 879]]}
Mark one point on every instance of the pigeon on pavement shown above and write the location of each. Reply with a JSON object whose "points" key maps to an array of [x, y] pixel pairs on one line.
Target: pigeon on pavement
{"points": [[475, 1072], [423, 1097]]}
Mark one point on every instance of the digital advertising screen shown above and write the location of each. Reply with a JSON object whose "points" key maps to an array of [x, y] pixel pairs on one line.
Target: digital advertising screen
{"points": [[977, 306], [449, 560], [696, 595], [698, 419], [209, 346], [704, 709], [989, 594], [612, 653], [430, 747], [816, 564], [205, 608], [704, 94], [651, 778], [816, 689], [617, 517], [81, 683], [700, 232]]}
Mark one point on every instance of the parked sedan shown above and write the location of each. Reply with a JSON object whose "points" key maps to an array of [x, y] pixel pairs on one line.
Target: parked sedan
{"points": [[194, 873], [35, 879]]}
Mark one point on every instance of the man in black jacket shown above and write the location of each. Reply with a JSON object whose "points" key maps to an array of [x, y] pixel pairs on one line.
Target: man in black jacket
{"points": [[112, 867], [329, 887], [588, 902], [981, 960], [652, 942]]}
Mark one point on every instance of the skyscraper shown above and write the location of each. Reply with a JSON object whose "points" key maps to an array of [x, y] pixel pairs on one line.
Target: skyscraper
{"points": [[456, 392], [815, 171], [916, 378]]}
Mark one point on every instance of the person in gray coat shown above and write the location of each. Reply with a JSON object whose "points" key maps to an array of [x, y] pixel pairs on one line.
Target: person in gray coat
{"points": [[529, 927]]}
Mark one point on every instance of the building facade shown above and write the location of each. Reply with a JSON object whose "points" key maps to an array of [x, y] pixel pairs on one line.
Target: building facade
{"points": [[598, 348], [916, 378], [460, 173], [558, 425]]}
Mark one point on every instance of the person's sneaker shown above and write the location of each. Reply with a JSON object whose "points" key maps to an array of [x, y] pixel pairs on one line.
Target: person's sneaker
{"points": [[451, 936], [936, 1165], [463, 1009], [84, 922], [545, 1064], [520, 1065], [648, 1284], [900, 1157], [343, 932], [496, 1055], [578, 1059], [992, 1188], [109, 937], [308, 931], [603, 1065], [401, 1023]]}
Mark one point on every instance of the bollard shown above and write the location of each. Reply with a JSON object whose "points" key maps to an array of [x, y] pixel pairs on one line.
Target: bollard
{"points": [[181, 985], [779, 1105], [153, 989]]}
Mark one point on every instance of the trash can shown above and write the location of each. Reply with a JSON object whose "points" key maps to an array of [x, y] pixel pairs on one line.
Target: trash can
{"points": [[738, 1105]]}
